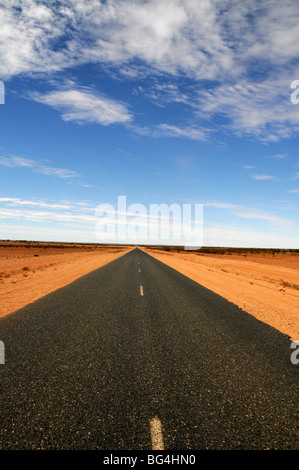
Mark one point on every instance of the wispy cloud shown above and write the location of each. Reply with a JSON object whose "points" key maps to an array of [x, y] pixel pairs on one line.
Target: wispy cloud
{"points": [[221, 205], [167, 130], [261, 109], [67, 219], [21, 162], [85, 105], [189, 132], [254, 214], [14, 160], [263, 177], [279, 156], [13, 201], [250, 213], [161, 94], [231, 235]]}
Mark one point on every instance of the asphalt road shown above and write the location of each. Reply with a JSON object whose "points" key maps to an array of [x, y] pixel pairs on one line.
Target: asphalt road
{"points": [[91, 365]]}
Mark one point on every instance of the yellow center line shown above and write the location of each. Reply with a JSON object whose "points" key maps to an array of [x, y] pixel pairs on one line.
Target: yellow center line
{"points": [[156, 434]]}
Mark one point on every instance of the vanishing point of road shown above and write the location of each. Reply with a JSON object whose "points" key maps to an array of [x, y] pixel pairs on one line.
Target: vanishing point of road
{"points": [[137, 356]]}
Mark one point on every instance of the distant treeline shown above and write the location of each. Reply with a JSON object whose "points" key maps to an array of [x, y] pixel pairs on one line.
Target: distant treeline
{"points": [[204, 249], [228, 250], [36, 244]]}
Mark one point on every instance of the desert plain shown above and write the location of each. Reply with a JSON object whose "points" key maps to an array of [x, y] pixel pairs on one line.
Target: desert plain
{"points": [[265, 285], [30, 270]]}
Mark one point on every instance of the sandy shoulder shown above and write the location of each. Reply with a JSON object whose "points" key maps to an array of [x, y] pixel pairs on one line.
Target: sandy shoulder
{"points": [[257, 285], [27, 275]]}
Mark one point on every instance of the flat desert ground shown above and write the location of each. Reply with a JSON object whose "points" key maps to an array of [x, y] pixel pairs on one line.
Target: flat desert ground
{"points": [[29, 271], [264, 285]]}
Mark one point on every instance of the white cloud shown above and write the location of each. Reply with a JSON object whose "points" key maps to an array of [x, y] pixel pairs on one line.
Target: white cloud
{"points": [[262, 109], [42, 216], [170, 36], [167, 130], [28, 32], [251, 213], [221, 205], [254, 215], [229, 235], [32, 232], [214, 235], [83, 105], [13, 201], [247, 213], [57, 217], [15, 161], [203, 39], [161, 94], [279, 156], [263, 177], [189, 132], [246, 52]]}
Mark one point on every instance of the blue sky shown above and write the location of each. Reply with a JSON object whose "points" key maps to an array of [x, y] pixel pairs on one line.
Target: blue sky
{"points": [[178, 101]]}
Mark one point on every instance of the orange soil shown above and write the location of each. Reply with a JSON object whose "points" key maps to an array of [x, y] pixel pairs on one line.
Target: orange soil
{"points": [[28, 272], [257, 283]]}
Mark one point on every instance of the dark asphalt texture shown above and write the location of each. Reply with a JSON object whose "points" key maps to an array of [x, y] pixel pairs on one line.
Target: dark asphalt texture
{"points": [[89, 365]]}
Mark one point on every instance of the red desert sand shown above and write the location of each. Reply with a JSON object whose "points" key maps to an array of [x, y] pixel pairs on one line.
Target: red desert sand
{"points": [[264, 285], [29, 271]]}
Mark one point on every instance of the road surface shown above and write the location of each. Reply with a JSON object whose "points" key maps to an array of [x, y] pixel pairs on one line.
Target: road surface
{"points": [[137, 356]]}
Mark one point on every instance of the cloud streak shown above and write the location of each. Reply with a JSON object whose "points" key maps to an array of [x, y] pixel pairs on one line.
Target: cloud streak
{"points": [[263, 177], [21, 162], [84, 105], [60, 217]]}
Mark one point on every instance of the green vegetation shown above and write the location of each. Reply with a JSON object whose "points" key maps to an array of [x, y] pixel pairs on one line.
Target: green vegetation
{"points": [[288, 284]]}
